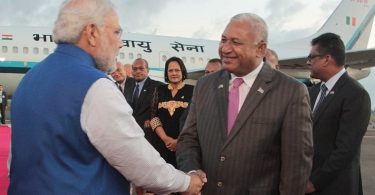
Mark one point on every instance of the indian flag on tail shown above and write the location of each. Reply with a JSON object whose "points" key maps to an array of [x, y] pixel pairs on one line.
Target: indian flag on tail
{"points": [[351, 21], [7, 37]]}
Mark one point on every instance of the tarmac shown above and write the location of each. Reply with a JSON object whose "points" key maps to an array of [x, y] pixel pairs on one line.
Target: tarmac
{"points": [[368, 162]]}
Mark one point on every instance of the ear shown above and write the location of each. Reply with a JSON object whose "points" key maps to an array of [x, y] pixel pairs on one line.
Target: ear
{"points": [[328, 60], [92, 33], [261, 49]]}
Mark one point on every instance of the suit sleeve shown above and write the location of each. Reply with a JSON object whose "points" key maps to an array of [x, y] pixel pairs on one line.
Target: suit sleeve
{"points": [[353, 122], [296, 144], [188, 151]]}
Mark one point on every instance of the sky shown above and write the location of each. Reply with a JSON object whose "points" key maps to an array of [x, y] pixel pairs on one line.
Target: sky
{"points": [[287, 19]]}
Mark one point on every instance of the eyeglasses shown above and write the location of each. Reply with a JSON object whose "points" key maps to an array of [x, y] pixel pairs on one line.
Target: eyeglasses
{"points": [[311, 56]]}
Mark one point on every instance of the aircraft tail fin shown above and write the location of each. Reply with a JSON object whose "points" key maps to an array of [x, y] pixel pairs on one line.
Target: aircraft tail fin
{"points": [[352, 20]]}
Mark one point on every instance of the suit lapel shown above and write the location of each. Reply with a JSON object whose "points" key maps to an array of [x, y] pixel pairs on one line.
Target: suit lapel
{"points": [[260, 88], [314, 91], [128, 89], [221, 89], [330, 96]]}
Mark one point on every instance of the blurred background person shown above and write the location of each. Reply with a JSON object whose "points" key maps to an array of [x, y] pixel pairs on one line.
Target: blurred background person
{"points": [[213, 65], [123, 81], [3, 103], [128, 70], [169, 102], [272, 59]]}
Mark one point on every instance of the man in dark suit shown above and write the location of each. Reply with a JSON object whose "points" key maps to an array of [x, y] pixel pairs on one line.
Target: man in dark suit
{"points": [[341, 111], [123, 81], [3, 103], [267, 148], [141, 98]]}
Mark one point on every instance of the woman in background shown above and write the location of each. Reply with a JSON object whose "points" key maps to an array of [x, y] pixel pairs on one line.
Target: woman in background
{"points": [[169, 102]]}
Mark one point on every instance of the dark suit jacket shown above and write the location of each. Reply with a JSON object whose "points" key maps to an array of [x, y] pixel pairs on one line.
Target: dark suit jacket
{"points": [[340, 123], [128, 89], [4, 98], [269, 149], [3, 105], [142, 111]]}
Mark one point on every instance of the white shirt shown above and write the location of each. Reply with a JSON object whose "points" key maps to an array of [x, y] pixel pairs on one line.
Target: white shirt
{"points": [[330, 84], [122, 85], [246, 86], [107, 119], [140, 86], [1, 97]]}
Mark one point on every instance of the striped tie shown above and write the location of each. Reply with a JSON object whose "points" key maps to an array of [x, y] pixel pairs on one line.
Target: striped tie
{"points": [[323, 92]]}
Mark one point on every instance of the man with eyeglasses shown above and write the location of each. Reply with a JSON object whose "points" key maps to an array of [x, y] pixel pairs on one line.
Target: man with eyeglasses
{"points": [[72, 130], [341, 111]]}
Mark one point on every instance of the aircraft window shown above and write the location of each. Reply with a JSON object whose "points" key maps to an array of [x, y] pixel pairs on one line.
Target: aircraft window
{"points": [[131, 56], [164, 58], [5, 49], [192, 60], [36, 50], [15, 49], [139, 55], [184, 59], [25, 50], [121, 55], [45, 51], [200, 60]]}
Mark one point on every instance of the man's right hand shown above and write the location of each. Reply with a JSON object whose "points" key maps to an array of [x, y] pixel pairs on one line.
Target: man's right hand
{"points": [[195, 185]]}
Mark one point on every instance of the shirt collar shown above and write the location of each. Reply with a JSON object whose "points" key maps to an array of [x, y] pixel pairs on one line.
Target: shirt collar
{"points": [[332, 81], [250, 77], [142, 82]]}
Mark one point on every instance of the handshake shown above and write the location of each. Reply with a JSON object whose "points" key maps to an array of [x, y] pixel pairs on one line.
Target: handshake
{"points": [[197, 180]]}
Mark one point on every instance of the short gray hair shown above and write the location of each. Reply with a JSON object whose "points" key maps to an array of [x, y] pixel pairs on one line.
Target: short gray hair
{"points": [[260, 26], [74, 15]]}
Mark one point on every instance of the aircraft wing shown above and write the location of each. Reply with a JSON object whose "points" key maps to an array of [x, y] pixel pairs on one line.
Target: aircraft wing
{"points": [[195, 75], [357, 61]]}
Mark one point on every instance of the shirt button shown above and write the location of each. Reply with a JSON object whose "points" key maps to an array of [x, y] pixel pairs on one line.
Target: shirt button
{"points": [[219, 184], [222, 158]]}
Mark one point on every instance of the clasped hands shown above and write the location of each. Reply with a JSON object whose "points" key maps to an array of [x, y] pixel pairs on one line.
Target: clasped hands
{"points": [[170, 143], [197, 180]]}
